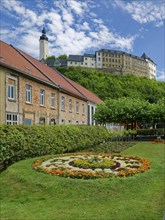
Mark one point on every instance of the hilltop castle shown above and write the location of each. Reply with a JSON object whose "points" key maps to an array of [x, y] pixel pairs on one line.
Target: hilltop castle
{"points": [[111, 61]]}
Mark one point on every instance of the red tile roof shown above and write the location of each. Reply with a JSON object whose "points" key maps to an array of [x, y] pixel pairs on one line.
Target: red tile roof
{"points": [[87, 93], [11, 58], [15, 58]]}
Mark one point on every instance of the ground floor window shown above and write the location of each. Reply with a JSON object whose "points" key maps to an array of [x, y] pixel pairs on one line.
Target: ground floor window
{"points": [[11, 119], [52, 121], [42, 121]]}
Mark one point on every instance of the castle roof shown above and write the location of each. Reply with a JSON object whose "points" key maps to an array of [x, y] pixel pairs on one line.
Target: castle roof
{"points": [[145, 57], [76, 58]]}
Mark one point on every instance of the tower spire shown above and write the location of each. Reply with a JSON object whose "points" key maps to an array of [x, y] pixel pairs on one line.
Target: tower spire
{"points": [[43, 45], [43, 36]]}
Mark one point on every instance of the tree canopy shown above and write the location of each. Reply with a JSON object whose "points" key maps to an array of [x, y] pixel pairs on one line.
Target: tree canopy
{"points": [[116, 86], [130, 111]]}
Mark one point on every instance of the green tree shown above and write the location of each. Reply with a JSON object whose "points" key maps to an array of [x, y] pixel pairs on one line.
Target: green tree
{"points": [[116, 86], [63, 56], [129, 112], [51, 57]]}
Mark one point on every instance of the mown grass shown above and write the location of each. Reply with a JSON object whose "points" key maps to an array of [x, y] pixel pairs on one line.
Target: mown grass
{"points": [[29, 195]]}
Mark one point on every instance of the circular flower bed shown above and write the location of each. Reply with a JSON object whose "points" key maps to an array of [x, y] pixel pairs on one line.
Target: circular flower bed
{"points": [[92, 165]]}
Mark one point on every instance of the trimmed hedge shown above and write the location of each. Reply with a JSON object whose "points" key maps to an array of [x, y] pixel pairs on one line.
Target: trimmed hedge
{"points": [[151, 132], [20, 142]]}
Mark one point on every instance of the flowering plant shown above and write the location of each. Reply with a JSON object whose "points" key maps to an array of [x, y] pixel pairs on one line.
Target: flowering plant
{"points": [[92, 165]]}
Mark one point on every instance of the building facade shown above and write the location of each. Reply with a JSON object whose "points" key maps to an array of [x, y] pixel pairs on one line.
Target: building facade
{"points": [[114, 61], [33, 93], [87, 60], [151, 66]]}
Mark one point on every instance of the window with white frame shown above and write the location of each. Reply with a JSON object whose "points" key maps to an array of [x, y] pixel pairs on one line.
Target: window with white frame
{"points": [[42, 97], [11, 89], [11, 118], [52, 100], [62, 103], [70, 105], [28, 94], [77, 107]]}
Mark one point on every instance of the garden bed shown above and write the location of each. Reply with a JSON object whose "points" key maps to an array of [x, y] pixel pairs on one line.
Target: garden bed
{"points": [[92, 165]]}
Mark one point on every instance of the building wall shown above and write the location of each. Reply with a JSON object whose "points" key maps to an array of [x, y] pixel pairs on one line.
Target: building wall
{"points": [[112, 61], [26, 108], [118, 62], [34, 110], [68, 114], [99, 64], [151, 69], [2, 96], [75, 63], [134, 65], [88, 62]]}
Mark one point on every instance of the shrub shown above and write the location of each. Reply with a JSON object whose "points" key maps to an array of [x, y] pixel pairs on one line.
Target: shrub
{"points": [[20, 142], [150, 132]]}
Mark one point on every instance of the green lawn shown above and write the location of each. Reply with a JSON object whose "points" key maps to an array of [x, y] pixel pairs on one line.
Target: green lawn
{"points": [[28, 195]]}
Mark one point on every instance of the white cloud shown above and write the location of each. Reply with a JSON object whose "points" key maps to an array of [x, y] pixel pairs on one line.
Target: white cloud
{"points": [[76, 6], [144, 11], [160, 76], [69, 28]]}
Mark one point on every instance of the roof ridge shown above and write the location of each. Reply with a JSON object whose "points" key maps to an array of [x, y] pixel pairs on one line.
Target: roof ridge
{"points": [[35, 66]]}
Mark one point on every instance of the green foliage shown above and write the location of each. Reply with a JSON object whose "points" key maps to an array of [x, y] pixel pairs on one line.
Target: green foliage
{"points": [[152, 132], [127, 111], [116, 86], [63, 56], [51, 58], [19, 142], [26, 194]]}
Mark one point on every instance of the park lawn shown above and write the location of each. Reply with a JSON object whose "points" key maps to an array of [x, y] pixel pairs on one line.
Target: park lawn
{"points": [[28, 195]]}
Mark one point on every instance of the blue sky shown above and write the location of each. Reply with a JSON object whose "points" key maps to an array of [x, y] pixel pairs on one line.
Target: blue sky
{"points": [[84, 26]]}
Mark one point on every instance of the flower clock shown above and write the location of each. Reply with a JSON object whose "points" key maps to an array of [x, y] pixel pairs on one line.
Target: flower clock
{"points": [[92, 165]]}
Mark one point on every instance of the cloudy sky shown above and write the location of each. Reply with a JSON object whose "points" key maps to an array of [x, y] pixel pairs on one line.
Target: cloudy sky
{"points": [[84, 26]]}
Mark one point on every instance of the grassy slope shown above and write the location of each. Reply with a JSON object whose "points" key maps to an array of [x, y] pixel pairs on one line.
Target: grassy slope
{"points": [[29, 195]]}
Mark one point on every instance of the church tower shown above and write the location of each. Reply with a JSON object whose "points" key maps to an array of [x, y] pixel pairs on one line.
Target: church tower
{"points": [[43, 45]]}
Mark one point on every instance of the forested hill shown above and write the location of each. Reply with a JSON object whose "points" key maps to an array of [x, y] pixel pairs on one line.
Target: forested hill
{"points": [[115, 86]]}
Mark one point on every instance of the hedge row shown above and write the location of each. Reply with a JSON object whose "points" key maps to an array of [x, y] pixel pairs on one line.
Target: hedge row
{"points": [[20, 142], [151, 132]]}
